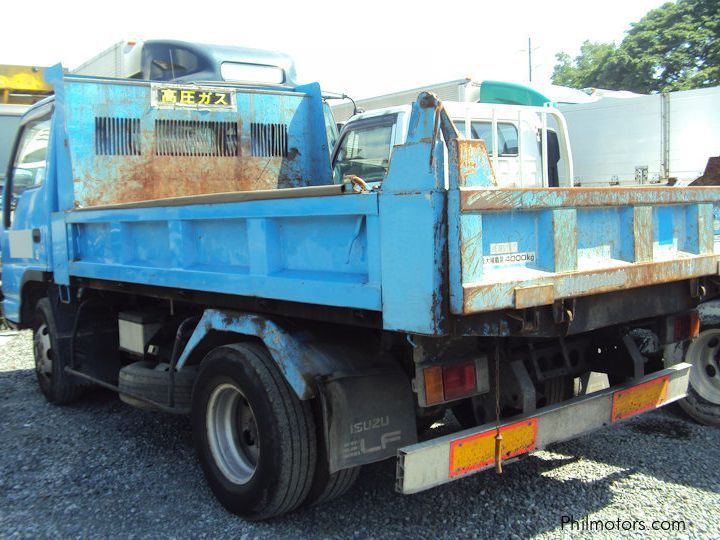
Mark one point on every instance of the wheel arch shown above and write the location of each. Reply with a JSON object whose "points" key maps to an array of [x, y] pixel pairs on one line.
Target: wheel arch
{"points": [[34, 286], [299, 357]]}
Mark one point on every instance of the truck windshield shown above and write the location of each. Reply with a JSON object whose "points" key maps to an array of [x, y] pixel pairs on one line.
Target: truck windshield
{"points": [[29, 167], [365, 153], [167, 63]]}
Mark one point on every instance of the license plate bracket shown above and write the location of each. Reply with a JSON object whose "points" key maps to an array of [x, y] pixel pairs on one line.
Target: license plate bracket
{"points": [[478, 451], [636, 399]]}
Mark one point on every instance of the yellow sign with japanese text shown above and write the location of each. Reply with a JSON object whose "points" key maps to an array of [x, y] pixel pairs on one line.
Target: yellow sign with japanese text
{"points": [[177, 96]]}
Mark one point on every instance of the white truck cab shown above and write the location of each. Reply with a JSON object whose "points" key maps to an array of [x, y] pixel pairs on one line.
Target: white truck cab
{"points": [[519, 140]]}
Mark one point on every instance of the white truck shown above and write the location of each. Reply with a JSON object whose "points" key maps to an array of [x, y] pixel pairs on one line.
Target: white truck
{"points": [[618, 138], [514, 135], [655, 139], [465, 90], [121, 60]]}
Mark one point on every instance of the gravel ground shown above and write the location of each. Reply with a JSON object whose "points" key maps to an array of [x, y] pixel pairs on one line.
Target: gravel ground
{"points": [[102, 469]]}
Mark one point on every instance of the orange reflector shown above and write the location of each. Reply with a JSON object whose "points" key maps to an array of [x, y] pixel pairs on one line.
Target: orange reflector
{"points": [[642, 397], [433, 385], [478, 451], [694, 324], [686, 326]]}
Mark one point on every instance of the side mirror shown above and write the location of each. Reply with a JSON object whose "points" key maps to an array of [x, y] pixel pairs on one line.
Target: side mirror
{"points": [[21, 180]]}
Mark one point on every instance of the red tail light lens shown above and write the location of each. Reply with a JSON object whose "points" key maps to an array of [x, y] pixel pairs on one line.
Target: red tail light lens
{"points": [[459, 380]]}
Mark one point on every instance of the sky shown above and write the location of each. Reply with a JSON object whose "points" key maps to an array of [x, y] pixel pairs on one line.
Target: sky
{"points": [[359, 48]]}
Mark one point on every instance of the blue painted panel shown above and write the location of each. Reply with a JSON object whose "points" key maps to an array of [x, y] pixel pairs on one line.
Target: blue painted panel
{"points": [[527, 232], [345, 249], [314, 249], [212, 248], [413, 242], [145, 243], [675, 229], [92, 241], [604, 233]]}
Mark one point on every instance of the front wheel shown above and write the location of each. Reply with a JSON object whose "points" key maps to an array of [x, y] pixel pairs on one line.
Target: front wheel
{"points": [[58, 386], [255, 439], [703, 400]]}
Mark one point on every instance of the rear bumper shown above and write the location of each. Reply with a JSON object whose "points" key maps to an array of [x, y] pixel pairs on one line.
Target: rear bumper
{"points": [[432, 463]]}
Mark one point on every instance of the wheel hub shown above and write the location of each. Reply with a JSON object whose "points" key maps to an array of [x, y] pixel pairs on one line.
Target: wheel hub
{"points": [[704, 355], [232, 433], [43, 351]]}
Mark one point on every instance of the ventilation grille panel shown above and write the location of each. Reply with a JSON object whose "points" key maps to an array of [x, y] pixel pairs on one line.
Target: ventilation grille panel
{"points": [[117, 136], [268, 140], [196, 138]]}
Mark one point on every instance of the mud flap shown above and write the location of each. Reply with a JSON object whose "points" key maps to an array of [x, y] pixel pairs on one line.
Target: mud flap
{"points": [[367, 416]]}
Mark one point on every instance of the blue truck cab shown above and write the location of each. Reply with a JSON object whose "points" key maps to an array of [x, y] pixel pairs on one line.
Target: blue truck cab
{"points": [[186, 245]]}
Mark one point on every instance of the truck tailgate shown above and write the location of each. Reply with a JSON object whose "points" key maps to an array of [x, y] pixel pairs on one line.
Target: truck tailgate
{"points": [[521, 248]]}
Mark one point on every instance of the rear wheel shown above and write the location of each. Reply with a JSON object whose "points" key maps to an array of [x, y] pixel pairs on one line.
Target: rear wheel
{"points": [[703, 400], [255, 439], [327, 486], [56, 384]]}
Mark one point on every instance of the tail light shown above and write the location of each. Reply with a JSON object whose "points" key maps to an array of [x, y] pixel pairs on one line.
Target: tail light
{"points": [[459, 380], [682, 327], [433, 385], [450, 382]]}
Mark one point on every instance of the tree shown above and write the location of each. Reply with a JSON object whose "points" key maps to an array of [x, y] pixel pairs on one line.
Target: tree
{"points": [[592, 67], [673, 47]]}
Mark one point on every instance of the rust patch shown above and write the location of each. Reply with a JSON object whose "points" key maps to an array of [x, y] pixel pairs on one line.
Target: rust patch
{"points": [[643, 233], [161, 177], [479, 199], [474, 167], [500, 295], [154, 176], [538, 295]]}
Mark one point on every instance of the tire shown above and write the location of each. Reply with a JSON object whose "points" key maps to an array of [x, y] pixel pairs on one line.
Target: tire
{"points": [[58, 386], [327, 487], [151, 380], [255, 439], [702, 402]]}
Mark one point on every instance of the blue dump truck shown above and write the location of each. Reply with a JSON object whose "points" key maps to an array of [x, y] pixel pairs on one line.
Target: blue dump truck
{"points": [[184, 244]]}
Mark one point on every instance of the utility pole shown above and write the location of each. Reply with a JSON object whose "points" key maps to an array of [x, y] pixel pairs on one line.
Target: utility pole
{"points": [[529, 59]]}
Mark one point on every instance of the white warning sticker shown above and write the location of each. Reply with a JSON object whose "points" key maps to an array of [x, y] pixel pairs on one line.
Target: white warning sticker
{"points": [[510, 258], [499, 248]]}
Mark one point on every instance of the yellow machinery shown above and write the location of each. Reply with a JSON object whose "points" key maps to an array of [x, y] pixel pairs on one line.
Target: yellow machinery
{"points": [[22, 85]]}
